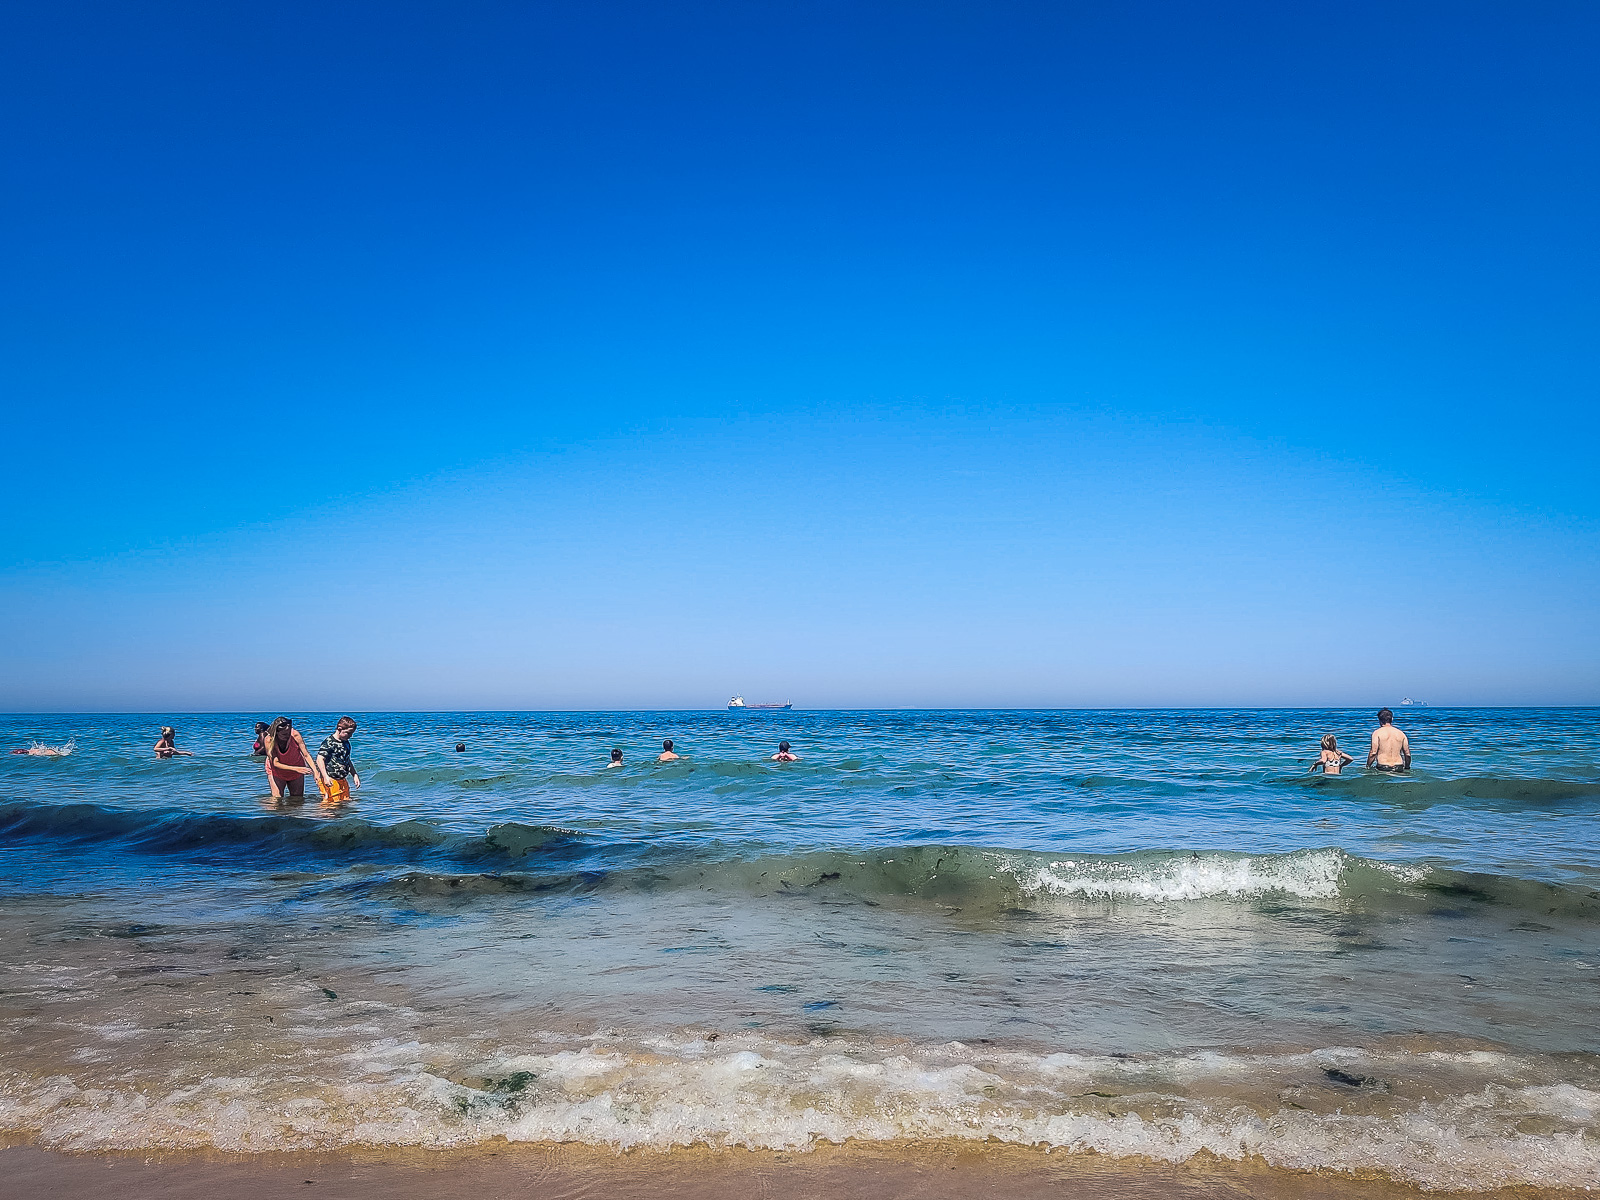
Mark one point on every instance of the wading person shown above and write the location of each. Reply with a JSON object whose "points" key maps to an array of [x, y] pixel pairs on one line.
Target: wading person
{"points": [[288, 762], [333, 763], [1390, 749], [1332, 760], [165, 748]]}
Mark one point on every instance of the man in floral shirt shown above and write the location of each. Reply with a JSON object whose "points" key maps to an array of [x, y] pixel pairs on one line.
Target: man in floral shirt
{"points": [[334, 759]]}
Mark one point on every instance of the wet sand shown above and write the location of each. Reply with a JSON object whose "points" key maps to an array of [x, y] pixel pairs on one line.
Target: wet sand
{"points": [[927, 1171]]}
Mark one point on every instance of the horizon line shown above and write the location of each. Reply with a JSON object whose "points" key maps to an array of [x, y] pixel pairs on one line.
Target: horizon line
{"points": [[217, 712]]}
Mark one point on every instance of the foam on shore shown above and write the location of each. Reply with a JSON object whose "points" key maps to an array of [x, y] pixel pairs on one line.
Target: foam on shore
{"points": [[1439, 1119]]}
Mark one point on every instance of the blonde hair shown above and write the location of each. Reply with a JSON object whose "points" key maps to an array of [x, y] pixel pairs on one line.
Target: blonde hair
{"points": [[1329, 742]]}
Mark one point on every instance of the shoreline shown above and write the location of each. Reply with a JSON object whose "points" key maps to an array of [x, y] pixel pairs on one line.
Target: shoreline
{"points": [[928, 1170]]}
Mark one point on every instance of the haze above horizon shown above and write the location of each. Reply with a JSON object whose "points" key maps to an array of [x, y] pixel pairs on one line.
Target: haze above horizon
{"points": [[613, 357]]}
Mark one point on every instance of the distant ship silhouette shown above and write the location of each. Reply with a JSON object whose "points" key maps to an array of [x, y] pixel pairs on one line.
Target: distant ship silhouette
{"points": [[737, 704]]}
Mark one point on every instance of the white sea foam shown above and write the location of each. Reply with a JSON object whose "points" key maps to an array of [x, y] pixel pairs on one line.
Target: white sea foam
{"points": [[1310, 874], [1472, 1126]]}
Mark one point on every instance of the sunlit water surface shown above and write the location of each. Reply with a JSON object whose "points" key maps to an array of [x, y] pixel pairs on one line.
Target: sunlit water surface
{"points": [[1135, 932]]}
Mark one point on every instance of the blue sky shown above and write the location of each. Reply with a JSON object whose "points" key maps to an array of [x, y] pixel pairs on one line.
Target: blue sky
{"points": [[607, 355]]}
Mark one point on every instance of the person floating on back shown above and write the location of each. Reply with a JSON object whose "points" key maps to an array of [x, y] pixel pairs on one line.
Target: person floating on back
{"points": [[288, 761], [1390, 750], [335, 771], [666, 754], [784, 754], [1332, 759], [616, 757], [165, 748], [259, 749]]}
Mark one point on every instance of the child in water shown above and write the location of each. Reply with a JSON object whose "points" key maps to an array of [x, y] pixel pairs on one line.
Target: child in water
{"points": [[1332, 759], [616, 758], [333, 758], [165, 748], [785, 754]]}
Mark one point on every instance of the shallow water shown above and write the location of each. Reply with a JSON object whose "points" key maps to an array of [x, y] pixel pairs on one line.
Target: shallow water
{"points": [[1135, 932]]}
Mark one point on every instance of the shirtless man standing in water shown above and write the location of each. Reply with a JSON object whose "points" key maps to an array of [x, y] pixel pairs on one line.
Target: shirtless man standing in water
{"points": [[1390, 751]]}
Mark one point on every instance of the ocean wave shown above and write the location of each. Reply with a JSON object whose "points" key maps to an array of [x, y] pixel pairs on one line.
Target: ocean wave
{"points": [[1438, 1119], [968, 877], [975, 881], [176, 831], [1421, 791]]}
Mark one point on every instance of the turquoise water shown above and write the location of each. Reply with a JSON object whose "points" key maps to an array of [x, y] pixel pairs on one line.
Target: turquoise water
{"points": [[1138, 932]]}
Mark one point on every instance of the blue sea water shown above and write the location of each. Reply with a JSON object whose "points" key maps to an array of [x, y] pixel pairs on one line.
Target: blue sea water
{"points": [[1134, 932]]}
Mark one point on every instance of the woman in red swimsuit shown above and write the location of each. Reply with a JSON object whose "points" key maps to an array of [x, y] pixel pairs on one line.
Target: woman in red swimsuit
{"points": [[288, 761]]}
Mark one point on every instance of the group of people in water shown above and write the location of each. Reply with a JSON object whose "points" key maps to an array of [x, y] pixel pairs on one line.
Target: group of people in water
{"points": [[668, 754], [288, 762], [1389, 750]]}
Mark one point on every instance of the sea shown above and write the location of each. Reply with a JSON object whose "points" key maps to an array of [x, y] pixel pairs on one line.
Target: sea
{"points": [[1143, 934]]}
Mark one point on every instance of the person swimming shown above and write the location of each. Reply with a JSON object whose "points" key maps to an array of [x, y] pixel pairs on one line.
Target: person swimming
{"points": [[40, 750], [1332, 760], [616, 758], [784, 754], [259, 749], [667, 753], [164, 747]]}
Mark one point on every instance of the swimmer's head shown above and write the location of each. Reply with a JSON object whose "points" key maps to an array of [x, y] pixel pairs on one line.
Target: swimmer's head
{"points": [[168, 732], [783, 747], [1329, 742], [461, 747], [616, 754], [667, 745], [345, 725], [280, 729], [1385, 717], [261, 727]]}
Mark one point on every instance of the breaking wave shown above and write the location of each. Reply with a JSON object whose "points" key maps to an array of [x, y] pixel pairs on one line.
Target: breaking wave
{"points": [[1439, 1119], [513, 858]]}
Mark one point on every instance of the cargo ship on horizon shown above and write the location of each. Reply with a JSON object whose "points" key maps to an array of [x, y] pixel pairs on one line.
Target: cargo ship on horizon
{"points": [[737, 704]]}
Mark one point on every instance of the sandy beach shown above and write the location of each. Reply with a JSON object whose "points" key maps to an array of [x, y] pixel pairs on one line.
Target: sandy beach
{"points": [[925, 1170]]}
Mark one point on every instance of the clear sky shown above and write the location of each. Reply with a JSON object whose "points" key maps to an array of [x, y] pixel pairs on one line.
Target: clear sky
{"points": [[598, 355]]}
